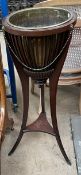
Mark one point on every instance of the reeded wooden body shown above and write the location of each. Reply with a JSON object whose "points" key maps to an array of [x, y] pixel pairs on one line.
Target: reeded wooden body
{"points": [[38, 48]]}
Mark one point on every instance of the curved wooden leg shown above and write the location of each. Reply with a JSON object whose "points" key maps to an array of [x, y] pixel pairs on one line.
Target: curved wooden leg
{"points": [[53, 82], [16, 143], [61, 147], [42, 103], [40, 109], [25, 88], [32, 86], [54, 119]]}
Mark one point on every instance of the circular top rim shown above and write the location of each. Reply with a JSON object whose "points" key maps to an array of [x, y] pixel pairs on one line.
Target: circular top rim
{"points": [[37, 28]]}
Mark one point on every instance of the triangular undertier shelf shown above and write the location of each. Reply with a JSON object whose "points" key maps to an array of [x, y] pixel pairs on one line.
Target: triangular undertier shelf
{"points": [[40, 125]]}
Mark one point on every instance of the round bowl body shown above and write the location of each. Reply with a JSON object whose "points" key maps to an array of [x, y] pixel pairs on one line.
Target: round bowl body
{"points": [[36, 36]]}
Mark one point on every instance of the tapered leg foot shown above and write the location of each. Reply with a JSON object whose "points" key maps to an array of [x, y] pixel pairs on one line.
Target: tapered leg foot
{"points": [[62, 149], [25, 90], [53, 88], [16, 143]]}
